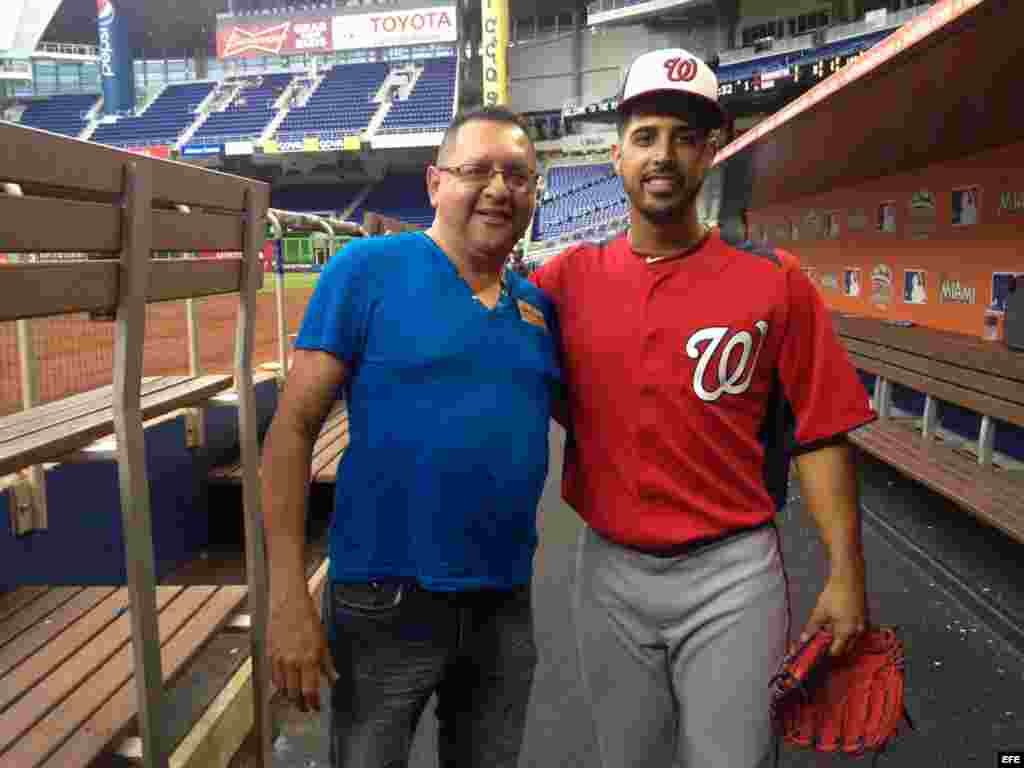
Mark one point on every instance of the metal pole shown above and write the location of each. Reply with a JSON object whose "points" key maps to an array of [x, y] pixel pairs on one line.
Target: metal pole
{"points": [[277, 232], [195, 423], [194, 367], [282, 325]]}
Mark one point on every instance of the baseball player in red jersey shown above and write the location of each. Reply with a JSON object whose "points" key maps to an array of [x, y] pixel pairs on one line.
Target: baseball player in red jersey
{"points": [[697, 369]]}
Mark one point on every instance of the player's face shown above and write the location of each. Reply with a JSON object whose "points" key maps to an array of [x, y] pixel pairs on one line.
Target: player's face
{"points": [[662, 160], [486, 216]]}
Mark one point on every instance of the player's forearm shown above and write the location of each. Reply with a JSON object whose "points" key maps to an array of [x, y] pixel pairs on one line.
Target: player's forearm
{"points": [[287, 458], [828, 481]]}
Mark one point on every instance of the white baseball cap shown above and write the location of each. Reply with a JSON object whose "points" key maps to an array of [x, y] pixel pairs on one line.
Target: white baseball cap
{"points": [[670, 71]]}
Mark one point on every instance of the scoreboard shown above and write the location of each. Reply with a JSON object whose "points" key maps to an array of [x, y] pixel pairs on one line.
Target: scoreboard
{"points": [[802, 75]]}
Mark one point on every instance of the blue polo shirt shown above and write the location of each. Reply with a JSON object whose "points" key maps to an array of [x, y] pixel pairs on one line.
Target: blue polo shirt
{"points": [[448, 407]]}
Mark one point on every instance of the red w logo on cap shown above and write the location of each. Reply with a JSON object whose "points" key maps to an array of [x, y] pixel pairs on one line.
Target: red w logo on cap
{"points": [[681, 70]]}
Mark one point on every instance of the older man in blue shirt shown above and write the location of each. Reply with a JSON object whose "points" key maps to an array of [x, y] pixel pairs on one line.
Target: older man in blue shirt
{"points": [[448, 364]]}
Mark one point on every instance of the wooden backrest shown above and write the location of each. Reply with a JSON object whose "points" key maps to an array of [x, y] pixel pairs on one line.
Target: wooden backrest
{"points": [[77, 196], [981, 376]]}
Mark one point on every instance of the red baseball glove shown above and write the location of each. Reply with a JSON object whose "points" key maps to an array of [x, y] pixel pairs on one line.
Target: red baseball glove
{"points": [[852, 703]]}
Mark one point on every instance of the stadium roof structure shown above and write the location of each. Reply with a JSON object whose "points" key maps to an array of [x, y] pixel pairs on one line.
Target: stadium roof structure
{"points": [[944, 86], [25, 22], [154, 26]]}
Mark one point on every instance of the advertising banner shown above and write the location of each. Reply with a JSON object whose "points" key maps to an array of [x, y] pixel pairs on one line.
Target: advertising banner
{"points": [[233, 148], [393, 28], [162, 152], [346, 143], [494, 15], [193, 150], [117, 73], [285, 146], [274, 35], [327, 30]]}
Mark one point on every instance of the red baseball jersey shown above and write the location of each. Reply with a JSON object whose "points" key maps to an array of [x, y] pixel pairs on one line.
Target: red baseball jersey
{"points": [[692, 382]]}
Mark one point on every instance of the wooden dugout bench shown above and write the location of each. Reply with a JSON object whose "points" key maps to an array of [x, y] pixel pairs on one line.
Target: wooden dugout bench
{"points": [[982, 377], [62, 195], [327, 452], [48, 432]]}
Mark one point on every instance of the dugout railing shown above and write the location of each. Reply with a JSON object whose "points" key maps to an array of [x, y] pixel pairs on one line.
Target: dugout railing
{"points": [[66, 195], [283, 223]]}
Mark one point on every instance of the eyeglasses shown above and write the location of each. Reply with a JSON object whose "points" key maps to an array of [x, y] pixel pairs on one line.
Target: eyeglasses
{"points": [[519, 179]]}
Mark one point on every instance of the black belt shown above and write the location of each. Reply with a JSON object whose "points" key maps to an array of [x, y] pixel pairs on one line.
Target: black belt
{"points": [[689, 547]]}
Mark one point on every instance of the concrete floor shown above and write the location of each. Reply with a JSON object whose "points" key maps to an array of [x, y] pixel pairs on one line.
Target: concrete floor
{"points": [[964, 681]]}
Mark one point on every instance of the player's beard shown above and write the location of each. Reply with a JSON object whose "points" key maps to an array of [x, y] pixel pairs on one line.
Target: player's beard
{"points": [[672, 210]]}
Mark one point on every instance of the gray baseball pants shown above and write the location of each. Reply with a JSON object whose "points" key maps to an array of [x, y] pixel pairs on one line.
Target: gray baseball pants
{"points": [[676, 653]]}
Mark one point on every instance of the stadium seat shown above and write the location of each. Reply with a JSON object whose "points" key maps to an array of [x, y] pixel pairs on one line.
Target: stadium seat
{"points": [[579, 197], [341, 106], [249, 113], [162, 123], [60, 114], [431, 104]]}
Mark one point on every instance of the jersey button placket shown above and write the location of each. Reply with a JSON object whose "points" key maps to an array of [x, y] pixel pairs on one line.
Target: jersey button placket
{"points": [[649, 371]]}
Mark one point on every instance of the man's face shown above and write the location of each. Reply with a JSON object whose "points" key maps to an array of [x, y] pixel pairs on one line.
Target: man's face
{"points": [[662, 159], [487, 215]]}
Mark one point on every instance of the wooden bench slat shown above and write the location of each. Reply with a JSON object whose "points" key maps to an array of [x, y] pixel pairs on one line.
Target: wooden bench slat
{"points": [[62, 716], [1003, 512], [41, 290], [985, 482], [35, 612], [37, 685], [51, 444], [226, 473], [52, 225], [952, 488], [12, 602], [171, 279], [38, 159], [331, 446], [326, 447], [958, 464], [984, 383], [27, 643], [953, 393], [329, 474], [968, 352], [23, 423], [104, 724], [938, 461], [337, 419], [197, 231], [12, 423]]}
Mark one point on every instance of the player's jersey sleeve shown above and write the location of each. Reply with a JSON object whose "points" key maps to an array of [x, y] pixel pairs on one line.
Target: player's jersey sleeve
{"points": [[549, 278], [820, 383], [337, 315]]}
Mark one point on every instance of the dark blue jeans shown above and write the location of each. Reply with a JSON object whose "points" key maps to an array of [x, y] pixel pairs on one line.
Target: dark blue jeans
{"points": [[396, 644]]}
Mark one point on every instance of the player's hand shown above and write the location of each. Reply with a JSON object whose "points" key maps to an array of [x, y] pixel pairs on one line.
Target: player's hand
{"points": [[842, 610], [298, 650]]}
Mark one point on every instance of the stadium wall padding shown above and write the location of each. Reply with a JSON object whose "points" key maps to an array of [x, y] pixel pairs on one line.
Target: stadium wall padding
{"points": [[963, 241], [84, 543]]}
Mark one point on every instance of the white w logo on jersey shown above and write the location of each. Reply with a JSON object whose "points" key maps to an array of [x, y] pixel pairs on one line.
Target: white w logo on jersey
{"points": [[734, 382]]}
